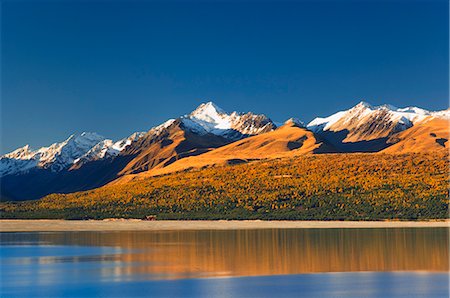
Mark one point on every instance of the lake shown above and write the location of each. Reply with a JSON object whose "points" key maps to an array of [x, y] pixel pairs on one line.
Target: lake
{"points": [[394, 262]]}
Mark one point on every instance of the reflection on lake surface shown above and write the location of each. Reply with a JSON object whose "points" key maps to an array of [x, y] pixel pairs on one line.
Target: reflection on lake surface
{"points": [[37, 259]]}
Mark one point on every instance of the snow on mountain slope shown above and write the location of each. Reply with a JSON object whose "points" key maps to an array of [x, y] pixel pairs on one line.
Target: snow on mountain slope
{"points": [[367, 122], [444, 114], [21, 158], [60, 155], [121, 144], [155, 131], [13, 165], [79, 148], [294, 121], [101, 150], [209, 118], [55, 157], [319, 124], [107, 148], [24, 152]]}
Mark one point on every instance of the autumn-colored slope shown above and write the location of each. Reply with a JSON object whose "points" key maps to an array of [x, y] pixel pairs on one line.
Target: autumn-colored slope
{"points": [[322, 186], [427, 136], [173, 143], [288, 140]]}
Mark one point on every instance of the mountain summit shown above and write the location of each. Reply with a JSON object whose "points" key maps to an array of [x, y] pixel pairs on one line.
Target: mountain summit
{"points": [[365, 122], [208, 111], [77, 149], [204, 129], [209, 118], [55, 157]]}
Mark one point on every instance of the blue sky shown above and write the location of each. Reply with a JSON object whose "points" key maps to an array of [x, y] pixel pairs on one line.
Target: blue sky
{"points": [[115, 67]]}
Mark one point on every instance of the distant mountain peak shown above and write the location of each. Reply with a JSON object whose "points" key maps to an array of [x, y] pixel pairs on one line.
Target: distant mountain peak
{"points": [[210, 118], [90, 135], [84, 146], [363, 104], [210, 107], [208, 112], [389, 107], [20, 153], [107, 148], [365, 122], [366, 105], [294, 122]]}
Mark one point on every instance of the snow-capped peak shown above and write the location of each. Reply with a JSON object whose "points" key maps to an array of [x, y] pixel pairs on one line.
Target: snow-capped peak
{"points": [[209, 118], [444, 114], [55, 157], [76, 149], [295, 122], [120, 145], [108, 148], [363, 109], [158, 129], [99, 151], [363, 104], [413, 110], [24, 152], [365, 121], [319, 124], [208, 111], [59, 156]]}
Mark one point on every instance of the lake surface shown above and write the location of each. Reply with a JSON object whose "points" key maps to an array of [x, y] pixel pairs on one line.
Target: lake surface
{"points": [[395, 262]]}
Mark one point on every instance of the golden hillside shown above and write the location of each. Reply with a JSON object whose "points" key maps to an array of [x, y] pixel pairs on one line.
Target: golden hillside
{"points": [[427, 136], [322, 186], [287, 141], [172, 144], [290, 141]]}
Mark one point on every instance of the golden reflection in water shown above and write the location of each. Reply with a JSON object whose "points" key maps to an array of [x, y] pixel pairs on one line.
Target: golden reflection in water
{"points": [[173, 254]]}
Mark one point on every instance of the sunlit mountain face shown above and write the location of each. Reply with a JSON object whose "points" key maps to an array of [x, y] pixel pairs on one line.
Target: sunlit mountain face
{"points": [[210, 136]]}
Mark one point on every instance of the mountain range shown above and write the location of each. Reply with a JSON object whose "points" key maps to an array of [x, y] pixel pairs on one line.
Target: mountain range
{"points": [[209, 136]]}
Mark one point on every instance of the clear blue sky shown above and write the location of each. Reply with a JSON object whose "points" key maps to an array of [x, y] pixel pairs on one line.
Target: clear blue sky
{"points": [[118, 67]]}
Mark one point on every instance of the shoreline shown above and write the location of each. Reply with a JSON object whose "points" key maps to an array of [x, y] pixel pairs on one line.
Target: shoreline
{"points": [[45, 225]]}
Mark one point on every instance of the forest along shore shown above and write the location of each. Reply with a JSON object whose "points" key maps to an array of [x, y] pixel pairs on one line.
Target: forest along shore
{"points": [[142, 225]]}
